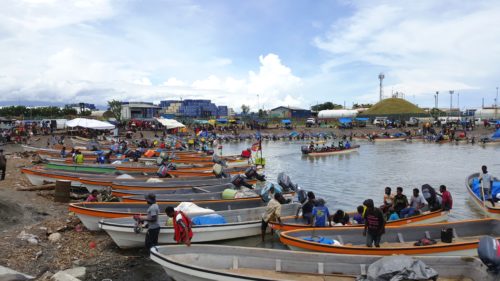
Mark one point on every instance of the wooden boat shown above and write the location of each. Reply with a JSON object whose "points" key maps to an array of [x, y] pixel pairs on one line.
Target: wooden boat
{"points": [[239, 223], [485, 206], [91, 213], [171, 183], [196, 198], [290, 223], [397, 239], [329, 152], [40, 176], [182, 190], [386, 139], [232, 263]]}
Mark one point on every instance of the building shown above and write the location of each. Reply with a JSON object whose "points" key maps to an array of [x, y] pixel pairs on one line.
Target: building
{"points": [[139, 110], [193, 108], [289, 112]]}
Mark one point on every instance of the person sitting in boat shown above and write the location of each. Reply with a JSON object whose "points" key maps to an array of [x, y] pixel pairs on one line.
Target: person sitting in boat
{"points": [[340, 218], [273, 213], [307, 207], [321, 214], [400, 201], [447, 201], [93, 196], [63, 152], [358, 217], [341, 145], [374, 224], [388, 200], [78, 157], [347, 145], [417, 205]]}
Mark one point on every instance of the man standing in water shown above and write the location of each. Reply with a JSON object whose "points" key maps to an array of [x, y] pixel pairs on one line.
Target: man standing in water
{"points": [[3, 164]]}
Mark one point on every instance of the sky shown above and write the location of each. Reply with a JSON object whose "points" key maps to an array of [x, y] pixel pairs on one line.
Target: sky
{"points": [[262, 53]]}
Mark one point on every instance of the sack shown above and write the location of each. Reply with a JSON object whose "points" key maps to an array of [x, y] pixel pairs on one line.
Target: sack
{"points": [[447, 235], [162, 171], [425, 242]]}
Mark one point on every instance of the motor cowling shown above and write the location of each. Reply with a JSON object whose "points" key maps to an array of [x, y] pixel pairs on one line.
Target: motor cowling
{"points": [[488, 251], [286, 183], [251, 172], [239, 181]]}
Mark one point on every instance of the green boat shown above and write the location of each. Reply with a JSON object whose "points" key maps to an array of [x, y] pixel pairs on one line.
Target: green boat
{"points": [[98, 169]]}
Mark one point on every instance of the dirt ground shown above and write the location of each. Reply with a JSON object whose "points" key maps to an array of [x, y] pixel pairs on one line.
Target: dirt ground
{"points": [[36, 213]]}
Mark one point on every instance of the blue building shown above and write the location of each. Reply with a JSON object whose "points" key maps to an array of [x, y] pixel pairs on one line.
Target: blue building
{"points": [[193, 108]]}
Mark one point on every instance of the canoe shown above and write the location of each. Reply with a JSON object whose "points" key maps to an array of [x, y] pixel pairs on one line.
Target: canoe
{"points": [[40, 176], [239, 223], [197, 198], [233, 263], [397, 239], [290, 223], [168, 183], [182, 190], [333, 152], [386, 139], [91, 213], [485, 206]]}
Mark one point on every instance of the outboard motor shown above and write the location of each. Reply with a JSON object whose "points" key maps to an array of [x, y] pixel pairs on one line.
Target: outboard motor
{"points": [[218, 171], [251, 172], [217, 160], [302, 196], [430, 196], [285, 182], [304, 149], [239, 181], [488, 251]]}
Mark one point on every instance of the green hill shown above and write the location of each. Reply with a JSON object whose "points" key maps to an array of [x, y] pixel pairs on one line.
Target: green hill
{"points": [[394, 106]]}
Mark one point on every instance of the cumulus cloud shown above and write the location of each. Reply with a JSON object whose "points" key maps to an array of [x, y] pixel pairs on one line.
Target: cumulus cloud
{"points": [[423, 46]]}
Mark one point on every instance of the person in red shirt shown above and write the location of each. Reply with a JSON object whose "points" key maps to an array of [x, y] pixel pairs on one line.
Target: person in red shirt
{"points": [[182, 226], [447, 202], [93, 196]]}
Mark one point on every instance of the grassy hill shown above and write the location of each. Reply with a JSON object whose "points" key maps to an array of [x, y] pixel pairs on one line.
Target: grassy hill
{"points": [[393, 106]]}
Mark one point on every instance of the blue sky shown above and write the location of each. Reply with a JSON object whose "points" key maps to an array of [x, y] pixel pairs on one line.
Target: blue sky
{"points": [[260, 53]]}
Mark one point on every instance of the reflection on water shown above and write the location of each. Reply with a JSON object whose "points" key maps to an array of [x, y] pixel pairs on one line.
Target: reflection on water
{"points": [[346, 180]]}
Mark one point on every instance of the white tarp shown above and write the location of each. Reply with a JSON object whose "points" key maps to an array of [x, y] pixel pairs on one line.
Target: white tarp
{"points": [[170, 123], [90, 123]]}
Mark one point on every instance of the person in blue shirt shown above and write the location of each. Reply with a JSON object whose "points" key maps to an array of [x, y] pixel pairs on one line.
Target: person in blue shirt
{"points": [[321, 214]]}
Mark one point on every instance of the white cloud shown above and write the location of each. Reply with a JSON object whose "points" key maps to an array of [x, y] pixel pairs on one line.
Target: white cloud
{"points": [[173, 82], [422, 46]]}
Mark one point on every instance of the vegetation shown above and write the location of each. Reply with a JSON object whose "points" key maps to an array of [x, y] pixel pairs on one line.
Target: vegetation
{"points": [[325, 106], [245, 109], [116, 109], [393, 106], [363, 105], [37, 112], [437, 112]]}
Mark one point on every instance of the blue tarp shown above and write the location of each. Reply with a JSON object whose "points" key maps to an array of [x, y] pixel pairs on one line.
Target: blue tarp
{"points": [[496, 135], [209, 219], [286, 121], [222, 120], [293, 134], [345, 120], [362, 119]]}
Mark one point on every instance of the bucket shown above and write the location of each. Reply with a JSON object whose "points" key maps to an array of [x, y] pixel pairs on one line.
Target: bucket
{"points": [[62, 190]]}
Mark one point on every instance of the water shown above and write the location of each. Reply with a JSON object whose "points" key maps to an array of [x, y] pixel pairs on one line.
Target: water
{"points": [[345, 181]]}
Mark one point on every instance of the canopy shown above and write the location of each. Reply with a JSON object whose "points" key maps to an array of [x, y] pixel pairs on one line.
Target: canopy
{"points": [[345, 120], [170, 123], [90, 124], [286, 121]]}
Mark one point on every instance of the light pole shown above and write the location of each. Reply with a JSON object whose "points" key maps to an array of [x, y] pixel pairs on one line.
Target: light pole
{"points": [[496, 104], [437, 99], [451, 101], [458, 105]]}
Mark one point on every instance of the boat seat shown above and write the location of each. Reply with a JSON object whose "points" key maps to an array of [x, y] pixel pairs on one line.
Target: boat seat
{"points": [[321, 268], [400, 237], [363, 269], [339, 238], [235, 262], [238, 218], [278, 265], [455, 235], [427, 235]]}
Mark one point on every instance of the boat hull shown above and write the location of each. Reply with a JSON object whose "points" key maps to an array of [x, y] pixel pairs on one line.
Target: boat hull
{"points": [[492, 212]]}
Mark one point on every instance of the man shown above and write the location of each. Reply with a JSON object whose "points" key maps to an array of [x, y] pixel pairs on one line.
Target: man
{"points": [[388, 200], [374, 224], [321, 214], [486, 181], [182, 226], [3, 164], [307, 207], [273, 213], [152, 220], [447, 201], [417, 204], [400, 201]]}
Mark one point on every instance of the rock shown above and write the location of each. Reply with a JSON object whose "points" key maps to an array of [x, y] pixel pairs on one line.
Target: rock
{"points": [[7, 274], [77, 272], [61, 276], [46, 276], [38, 255], [54, 237]]}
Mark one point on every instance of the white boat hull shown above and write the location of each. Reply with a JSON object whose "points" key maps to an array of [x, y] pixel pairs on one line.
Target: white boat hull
{"points": [[41, 180], [125, 237], [180, 273], [345, 151], [90, 222]]}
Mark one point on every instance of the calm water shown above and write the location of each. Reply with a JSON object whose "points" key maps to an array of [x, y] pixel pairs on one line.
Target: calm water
{"points": [[345, 181]]}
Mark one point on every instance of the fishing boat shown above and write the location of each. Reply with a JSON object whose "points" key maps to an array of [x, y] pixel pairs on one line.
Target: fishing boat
{"points": [[306, 151], [292, 223], [182, 190], [387, 139], [474, 189], [91, 213], [236, 224], [396, 240], [40, 176], [232, 263]]}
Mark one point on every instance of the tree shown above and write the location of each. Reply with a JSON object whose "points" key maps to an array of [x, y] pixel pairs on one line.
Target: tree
{"points": [[262, 113], [245, 109], [116, 109], [436, 113], [362, 105], [325, 106]]}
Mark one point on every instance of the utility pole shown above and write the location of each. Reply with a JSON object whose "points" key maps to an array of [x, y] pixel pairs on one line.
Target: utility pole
{"points": [[496, 104], [437, 99], [451, 101], [458, 105]]}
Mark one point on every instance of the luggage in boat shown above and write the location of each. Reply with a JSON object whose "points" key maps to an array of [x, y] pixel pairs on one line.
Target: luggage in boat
{"points": [[217, 169], [162, 171], [209, 219], [149, 153], [447, 235], [488, 251], [228, 193]]}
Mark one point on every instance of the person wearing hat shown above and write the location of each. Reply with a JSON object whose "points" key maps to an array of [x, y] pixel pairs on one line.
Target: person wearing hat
{"points": [[152, 221], [3, 164]]}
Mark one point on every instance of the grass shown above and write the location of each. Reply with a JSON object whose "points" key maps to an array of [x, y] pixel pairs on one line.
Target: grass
{"points": [[393, 106]]}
